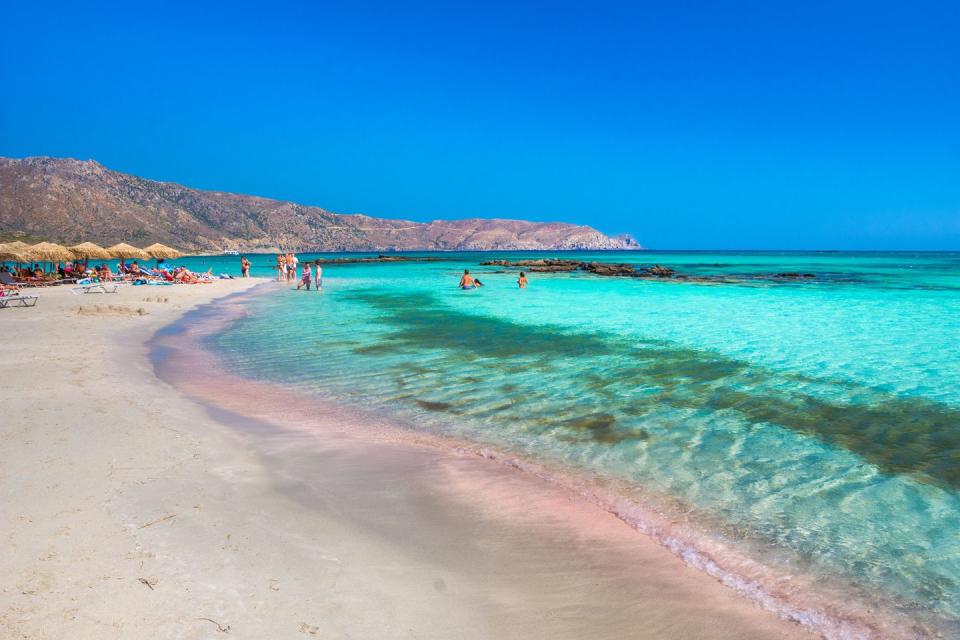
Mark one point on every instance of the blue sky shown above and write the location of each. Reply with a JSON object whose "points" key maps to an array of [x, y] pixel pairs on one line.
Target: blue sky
{"points": [[790, 125]]}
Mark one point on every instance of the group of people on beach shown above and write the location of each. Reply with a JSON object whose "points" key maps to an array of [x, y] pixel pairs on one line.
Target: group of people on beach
{"points": [[85, 273], [311, 273], [467, 281]]}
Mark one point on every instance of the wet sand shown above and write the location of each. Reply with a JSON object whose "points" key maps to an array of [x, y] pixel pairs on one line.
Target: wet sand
{"points": [[136, 509]]}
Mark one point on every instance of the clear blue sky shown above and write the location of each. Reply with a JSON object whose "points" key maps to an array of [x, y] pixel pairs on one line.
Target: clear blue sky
{"points": [[688, 124]]}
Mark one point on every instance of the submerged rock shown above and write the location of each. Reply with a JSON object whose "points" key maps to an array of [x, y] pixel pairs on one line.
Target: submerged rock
{"points": [[382, 258], [660, 271], [654, 272], [541, 264], [606, 269]]}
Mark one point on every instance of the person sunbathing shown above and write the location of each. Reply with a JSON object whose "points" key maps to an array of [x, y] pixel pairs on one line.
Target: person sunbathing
{"points": [[185, 276]]}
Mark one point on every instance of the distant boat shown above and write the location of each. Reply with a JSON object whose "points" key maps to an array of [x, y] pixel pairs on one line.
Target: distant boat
{"points": [[230, 252]]}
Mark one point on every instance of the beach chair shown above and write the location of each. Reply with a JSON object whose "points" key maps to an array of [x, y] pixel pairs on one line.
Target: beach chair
{"points": [[18, 300], [96, 287]]}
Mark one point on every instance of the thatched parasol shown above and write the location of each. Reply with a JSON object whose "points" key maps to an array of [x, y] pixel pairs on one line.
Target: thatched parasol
{"points": [[47, 252], [10, 252], [125, 251], [88, 250], [162, 251]]}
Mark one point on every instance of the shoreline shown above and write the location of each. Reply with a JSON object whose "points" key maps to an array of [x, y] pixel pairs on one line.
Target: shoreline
{"points": [[134, 512], [792, 595]]}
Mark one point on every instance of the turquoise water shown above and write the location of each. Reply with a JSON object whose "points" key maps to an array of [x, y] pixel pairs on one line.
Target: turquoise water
{"points": [[816, 422]]}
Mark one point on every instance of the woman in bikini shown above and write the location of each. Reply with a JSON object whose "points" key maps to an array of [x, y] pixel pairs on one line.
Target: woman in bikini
{"points": [[522, 280], [307, 277]]}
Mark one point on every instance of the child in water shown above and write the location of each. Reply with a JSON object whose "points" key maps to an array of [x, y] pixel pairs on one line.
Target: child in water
{"points": [[522, 280]]}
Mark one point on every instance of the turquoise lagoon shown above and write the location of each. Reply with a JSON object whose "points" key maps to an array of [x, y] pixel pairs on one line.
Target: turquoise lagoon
{"points": [[817, 421]]}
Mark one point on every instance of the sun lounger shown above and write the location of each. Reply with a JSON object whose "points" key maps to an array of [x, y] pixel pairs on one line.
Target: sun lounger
{"points": [[41, 282], [96, 287], [18, 300]]}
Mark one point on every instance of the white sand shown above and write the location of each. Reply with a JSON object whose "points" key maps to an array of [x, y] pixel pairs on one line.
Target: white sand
{"points": [[130, 511]]}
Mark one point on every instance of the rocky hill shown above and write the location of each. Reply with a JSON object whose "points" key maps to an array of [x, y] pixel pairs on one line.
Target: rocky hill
{"points": [[70, 201]]}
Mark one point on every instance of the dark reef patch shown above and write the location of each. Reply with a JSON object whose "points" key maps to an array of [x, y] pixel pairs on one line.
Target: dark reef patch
{"points": [[434, 406], [635, 379]]}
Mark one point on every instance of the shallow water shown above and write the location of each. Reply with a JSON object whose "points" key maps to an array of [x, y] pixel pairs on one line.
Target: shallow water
{"points": [[815, 423]]}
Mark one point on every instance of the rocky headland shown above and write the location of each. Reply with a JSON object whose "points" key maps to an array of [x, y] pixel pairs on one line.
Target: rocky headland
{"points": [[70, 201]]}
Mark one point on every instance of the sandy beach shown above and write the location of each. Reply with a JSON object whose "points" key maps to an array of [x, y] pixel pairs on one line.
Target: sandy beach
{"points": [[130, 510]]}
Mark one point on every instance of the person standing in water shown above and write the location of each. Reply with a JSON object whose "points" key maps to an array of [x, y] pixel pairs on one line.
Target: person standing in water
{"points": [[281, 268], [466, 281], [245, 267], [318, 273], [307, 277], [522, 280]]}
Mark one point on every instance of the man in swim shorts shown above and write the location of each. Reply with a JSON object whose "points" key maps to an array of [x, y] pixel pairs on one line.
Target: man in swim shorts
{"points": [[292, 263], [466, 281]]}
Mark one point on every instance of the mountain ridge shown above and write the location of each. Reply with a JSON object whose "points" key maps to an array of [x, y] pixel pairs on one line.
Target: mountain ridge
{"points": [[68, 200]]}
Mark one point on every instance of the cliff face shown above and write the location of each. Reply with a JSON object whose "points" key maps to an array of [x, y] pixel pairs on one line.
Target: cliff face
{"points": [[71, 201]]}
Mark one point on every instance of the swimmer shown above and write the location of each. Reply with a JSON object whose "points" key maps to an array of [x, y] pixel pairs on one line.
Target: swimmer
{"points": [[522, 280], [466, 281]]}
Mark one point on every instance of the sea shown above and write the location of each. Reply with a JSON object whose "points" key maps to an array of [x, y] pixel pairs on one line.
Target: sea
{"points": [[809, 423]]}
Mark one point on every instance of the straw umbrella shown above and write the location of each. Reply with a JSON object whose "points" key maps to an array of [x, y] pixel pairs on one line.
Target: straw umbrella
{"points": [[16, 245], [48, 252], [13, 252], [162, 252], [88, 250], [125, 251], [9, 252]]}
